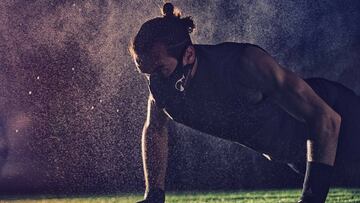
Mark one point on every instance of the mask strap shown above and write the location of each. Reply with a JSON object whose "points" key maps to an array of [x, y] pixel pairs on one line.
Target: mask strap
{"points": [[188, 74], [183, 82], [179, 44]]}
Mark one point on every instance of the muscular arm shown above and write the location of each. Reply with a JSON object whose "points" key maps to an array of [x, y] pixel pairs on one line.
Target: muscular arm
{"points": [[154, 146], [296, 97]]}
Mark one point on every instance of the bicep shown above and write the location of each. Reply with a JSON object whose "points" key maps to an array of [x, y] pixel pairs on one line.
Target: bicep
{"points": [[296, 97]]}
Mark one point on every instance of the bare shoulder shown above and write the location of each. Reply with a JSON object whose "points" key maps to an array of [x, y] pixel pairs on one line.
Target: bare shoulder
{"points": [[156, 117], [252, 62], [258, 61], [260, 70], [240, 47], [251, 53], [247, 55]]}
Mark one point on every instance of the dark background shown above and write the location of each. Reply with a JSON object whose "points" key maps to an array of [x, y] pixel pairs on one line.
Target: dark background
{"points": [[72, 105]]}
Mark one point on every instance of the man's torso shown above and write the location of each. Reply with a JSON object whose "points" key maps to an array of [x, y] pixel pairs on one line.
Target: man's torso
{"points": [[218, 103]]}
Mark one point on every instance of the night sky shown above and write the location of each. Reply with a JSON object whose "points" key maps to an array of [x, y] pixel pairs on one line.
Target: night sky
{"points": [[72, 104]]}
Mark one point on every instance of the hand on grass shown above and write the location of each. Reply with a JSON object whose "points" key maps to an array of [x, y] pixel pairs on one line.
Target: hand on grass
{"points": [[155, 195]]}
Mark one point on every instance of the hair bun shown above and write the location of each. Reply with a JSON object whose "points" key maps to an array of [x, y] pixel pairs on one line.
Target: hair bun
{"points": [[168, 9]]}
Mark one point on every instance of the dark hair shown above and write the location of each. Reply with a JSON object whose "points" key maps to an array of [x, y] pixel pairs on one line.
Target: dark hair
{"points": [[170, 30]]}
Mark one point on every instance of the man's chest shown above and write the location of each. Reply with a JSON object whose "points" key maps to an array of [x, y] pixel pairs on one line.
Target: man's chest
{"points": [[218, 108]]}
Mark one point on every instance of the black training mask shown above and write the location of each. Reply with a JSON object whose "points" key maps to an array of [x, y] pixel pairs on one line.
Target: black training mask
{"points": [[164, 89]]}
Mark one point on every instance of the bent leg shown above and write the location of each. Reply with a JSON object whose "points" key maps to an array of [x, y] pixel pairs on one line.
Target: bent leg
{"points": [[348, 106]]}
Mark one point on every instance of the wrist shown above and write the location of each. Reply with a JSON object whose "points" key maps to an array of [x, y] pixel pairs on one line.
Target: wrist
{"points": [[155, 195], [316, 182]]}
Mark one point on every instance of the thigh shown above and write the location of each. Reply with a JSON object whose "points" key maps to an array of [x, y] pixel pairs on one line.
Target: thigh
{"points": [[326, 89], [348, 106]]}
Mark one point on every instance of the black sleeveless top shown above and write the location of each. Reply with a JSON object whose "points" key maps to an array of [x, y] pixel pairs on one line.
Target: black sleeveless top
{"points": [[213, 104]]}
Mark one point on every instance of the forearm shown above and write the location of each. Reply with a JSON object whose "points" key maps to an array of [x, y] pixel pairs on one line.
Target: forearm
{"points": [[321, 153], [323, 144], [154, 155]]}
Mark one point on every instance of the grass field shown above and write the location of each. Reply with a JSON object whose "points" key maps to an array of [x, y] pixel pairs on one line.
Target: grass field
{"points": [[270, 196]]}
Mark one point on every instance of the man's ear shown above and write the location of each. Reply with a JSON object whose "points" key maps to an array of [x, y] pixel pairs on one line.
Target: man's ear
{"points": [[189, 56]]}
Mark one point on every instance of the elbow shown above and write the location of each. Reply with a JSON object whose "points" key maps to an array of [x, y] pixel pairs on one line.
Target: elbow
{"points": [[336, 120], [330, 123]]}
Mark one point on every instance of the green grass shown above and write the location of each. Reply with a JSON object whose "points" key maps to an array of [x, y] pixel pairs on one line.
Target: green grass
{"points": [[266, 196]]}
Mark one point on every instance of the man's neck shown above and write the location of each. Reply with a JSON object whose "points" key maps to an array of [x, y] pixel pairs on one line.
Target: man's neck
{"points": [[193, 71]]}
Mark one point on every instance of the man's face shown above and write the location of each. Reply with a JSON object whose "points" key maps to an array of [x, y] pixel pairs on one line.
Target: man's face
{"points": [[166, 76], [159, 61]]}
